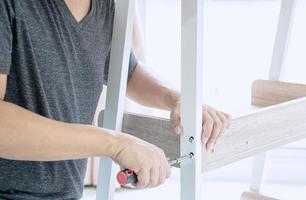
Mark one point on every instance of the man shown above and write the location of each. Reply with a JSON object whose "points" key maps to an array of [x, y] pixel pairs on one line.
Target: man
{"points": [[54, 58]]}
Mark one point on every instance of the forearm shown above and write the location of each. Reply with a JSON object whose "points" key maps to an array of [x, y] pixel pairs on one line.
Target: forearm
{"points": [[28, 136], [144, 89]]}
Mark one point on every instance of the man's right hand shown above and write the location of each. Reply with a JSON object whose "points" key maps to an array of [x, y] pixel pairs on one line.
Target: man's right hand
{"points": [[147, 160]]}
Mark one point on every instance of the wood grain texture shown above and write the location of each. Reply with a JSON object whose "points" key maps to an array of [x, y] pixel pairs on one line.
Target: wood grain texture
{"points": [[258, 132], [247, 136], [267, 93], [153, 130], [254, 196]]}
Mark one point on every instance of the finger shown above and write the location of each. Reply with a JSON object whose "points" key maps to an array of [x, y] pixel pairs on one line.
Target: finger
{"points": [[168, 170], [228, 116], [176, 123], [217, 129], [154, 176], [224, 120], [162, 174], [207, 128], [143, 177]]}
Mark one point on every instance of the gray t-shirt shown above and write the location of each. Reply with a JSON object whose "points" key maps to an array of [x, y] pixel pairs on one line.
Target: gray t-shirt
{"points": [[56, 67]]}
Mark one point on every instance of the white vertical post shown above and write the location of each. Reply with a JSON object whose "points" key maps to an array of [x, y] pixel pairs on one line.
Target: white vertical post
{"points": [[191, 88], [117, 82], [259, 172], [282, 38], [284, 29]]}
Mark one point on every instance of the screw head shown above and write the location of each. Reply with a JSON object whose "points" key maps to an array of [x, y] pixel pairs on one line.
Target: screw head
{"points": [[191, 139], [191, 155]]}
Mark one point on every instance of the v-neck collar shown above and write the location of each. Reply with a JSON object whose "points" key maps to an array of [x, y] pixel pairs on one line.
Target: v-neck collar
{"points": [[71, 17]]}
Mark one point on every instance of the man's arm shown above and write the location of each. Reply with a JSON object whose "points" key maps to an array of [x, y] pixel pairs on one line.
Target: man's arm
{"points": [[143, 88], [27, 136]]}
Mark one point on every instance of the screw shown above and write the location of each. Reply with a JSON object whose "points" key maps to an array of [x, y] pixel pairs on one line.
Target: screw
{"points": [[191, 139], [191, 155]]}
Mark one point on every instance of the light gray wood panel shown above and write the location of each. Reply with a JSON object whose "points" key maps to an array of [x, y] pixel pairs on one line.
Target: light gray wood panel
{"points": [[258, 132], [267, 93], [154, 130], [247, 136]]}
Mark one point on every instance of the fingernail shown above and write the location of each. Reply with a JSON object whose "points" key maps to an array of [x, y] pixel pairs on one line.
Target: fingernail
{"points": [[182, 129], [205, 140], [178, 130], [210, 146], [228, 125]]}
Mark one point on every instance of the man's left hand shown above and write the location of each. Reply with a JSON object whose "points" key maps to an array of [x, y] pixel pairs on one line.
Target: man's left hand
{"points": [[213, 124]]}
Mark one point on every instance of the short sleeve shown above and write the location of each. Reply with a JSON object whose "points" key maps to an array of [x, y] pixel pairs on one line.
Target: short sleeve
{"points": [[132, 65], [6, 38]]}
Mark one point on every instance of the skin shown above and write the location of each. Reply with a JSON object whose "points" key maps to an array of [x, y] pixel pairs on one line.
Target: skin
{"points": [[79, 8], [25, 135]]}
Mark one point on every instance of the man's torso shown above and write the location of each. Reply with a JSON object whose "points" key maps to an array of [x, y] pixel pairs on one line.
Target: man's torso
{"points": [[57, 71]]}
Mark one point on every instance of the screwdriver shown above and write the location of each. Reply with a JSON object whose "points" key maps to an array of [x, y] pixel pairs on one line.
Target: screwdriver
{"points": [[128, 176]]}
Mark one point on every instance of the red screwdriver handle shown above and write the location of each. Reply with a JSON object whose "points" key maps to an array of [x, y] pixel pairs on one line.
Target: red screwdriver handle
{"points": [[126, 176]]}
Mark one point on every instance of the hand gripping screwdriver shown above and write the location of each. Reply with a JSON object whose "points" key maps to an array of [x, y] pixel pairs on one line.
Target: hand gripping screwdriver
{"points": [[128, 176]]}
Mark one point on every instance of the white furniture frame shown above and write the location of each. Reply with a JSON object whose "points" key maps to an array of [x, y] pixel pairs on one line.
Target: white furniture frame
{"points": [[192, 55], [117, 82], [192, 33], [191, 94]]}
